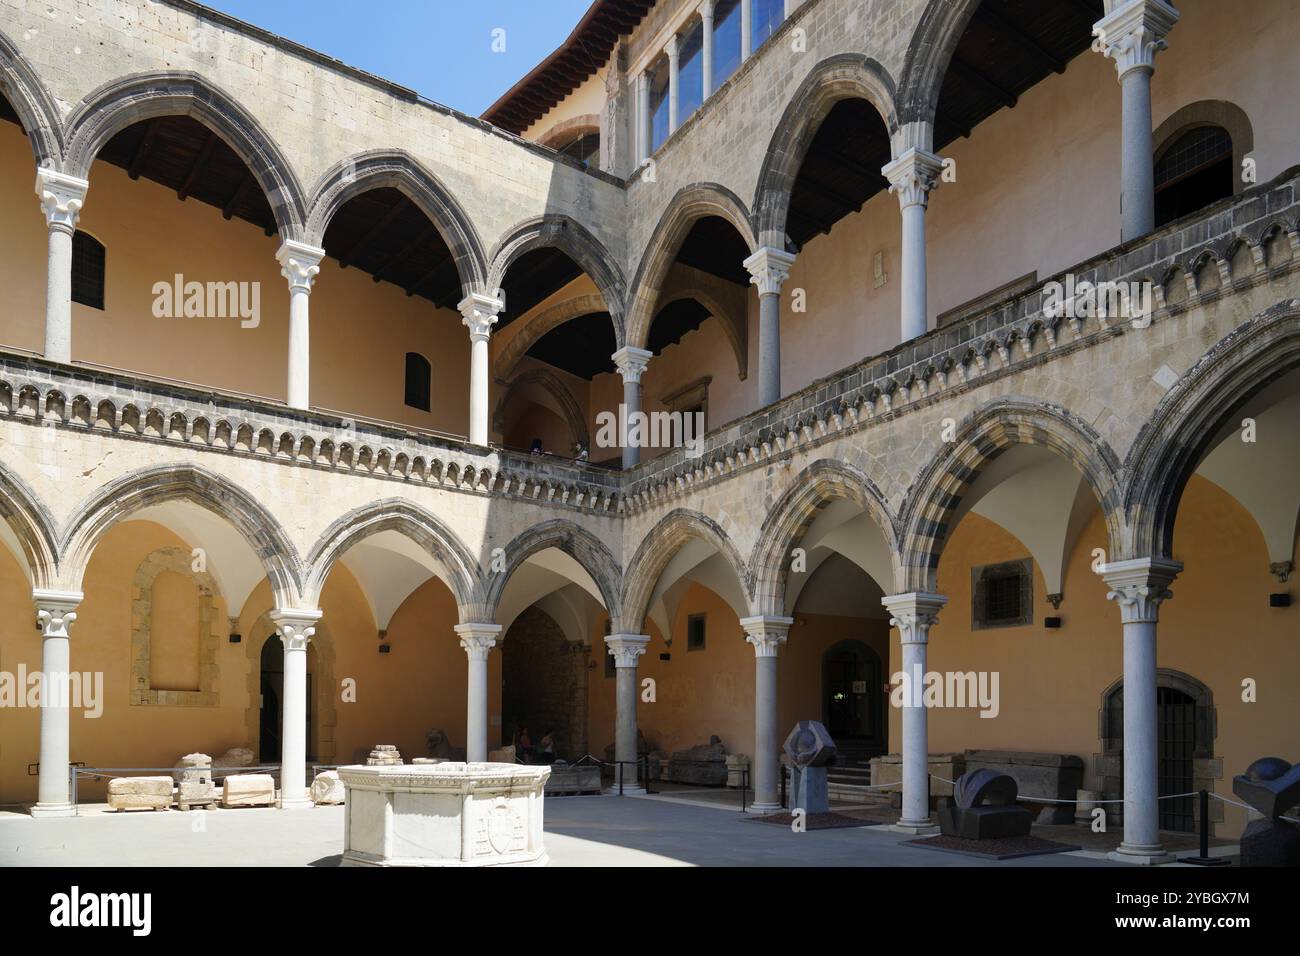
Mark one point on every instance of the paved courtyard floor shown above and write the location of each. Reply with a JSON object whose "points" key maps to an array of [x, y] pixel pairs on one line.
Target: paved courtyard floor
{"points": [[580, 831]]}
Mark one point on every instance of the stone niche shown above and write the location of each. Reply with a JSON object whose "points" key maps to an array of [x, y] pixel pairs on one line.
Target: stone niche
{"points": [[444, 814]]}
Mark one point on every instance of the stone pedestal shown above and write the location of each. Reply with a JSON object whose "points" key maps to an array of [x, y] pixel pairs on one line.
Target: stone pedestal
{"points": [[140, 793], [445, 814], [808, 790], [383, 755], [736, 765]]}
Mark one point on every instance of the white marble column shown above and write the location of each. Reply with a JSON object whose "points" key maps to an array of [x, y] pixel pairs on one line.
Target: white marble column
{"points": [[768, 270], [478, 640], [479, 315], [631, 364], [295, 627], [767, 634], [626, 648], [911, 177], [61, 199], [299, 264], [672, 49], [1139, 587], [55, 613], [914, 614], [790, 7], [706, 51], [644, 121], [1131, 35], [746, 29]]}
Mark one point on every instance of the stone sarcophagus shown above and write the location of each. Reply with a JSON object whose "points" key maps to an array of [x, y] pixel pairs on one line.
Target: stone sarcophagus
{"points": [[444, 814]]}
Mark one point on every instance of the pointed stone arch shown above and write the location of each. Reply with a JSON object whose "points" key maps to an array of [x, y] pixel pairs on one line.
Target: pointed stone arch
{"points": [[691, 203], [986, 434], [33, 528], [794, 513], [840, 77], [546, 379], [113, 107], [400, 170], [36, 109], [547, 320], [929, 52], [578, 543]]}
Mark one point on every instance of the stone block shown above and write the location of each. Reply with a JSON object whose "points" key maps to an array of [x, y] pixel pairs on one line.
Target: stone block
{"points": [[503, 755], [248, 790], [569, 778], [327, 788], [139, 793], [735, 764]]}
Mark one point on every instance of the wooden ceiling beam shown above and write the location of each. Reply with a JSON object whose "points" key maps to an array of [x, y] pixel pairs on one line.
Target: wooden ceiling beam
{"points": [[196, 168], [371, 234], [143, 149], [1004, 24]]}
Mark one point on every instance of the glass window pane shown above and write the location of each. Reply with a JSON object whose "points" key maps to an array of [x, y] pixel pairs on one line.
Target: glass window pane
{"points": [[726, 41], [658, 104], [768, 15], [690, 73]]}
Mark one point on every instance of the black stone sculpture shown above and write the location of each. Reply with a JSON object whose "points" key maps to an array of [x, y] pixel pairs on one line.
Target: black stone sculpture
{"points": [[1271, 786], [984, 808]]}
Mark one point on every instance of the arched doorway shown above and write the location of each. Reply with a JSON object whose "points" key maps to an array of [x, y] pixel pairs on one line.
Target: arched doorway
{"points": [[852, 694], [271, 713]]}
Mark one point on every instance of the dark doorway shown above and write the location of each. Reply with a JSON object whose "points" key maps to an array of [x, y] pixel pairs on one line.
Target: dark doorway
{"points": [[272, 714], [852, 694]]}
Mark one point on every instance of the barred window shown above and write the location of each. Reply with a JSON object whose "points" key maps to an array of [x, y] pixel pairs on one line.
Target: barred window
{"points": [[1196, 169], [87, 270], [695, 632], [1002, 595]]}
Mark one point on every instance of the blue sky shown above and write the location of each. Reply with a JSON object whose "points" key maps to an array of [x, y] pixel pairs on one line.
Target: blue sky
{"points": [[439, 48]]}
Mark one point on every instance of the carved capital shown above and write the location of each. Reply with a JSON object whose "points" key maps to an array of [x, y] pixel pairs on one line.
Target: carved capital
{"points": [[1140, 586], [705, 10], [631, 362], [673, 47], [479, 313], [626, 648], [296, 627], [478, 639], [299, 264], [62, 197], [913, 614], [912, 176], [768, 269], [1282, 570], [1134, 33], [55, 611], [767, 634]]}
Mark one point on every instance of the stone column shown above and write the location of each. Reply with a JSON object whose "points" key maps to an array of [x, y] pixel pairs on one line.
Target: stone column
{"points": [[299, 264], [1131, 35], [480, 314], [790, 7], [706, 52], [911, 177], [768, 270], [746, 29], [477, 639], [1139, 586], [295, 627], [767, 634], [631, 364], [674, 83], [55, 614], [61, 198], [644, 121], [626, 648], [914, 614]]}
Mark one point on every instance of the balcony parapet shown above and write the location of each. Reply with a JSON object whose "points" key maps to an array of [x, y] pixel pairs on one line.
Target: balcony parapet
{"points": [[131, 407], [1189, 263]]}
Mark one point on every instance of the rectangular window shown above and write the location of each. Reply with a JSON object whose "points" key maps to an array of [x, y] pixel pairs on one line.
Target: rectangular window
{"points": [[768, 16], [690, 73], [658, 104], [1002, 595], [726, 41], [87, 270], [695, 632]]}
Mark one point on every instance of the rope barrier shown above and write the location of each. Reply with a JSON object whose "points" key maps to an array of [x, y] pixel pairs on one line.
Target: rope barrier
{"points": [[1168, 796], [1243, 806]]}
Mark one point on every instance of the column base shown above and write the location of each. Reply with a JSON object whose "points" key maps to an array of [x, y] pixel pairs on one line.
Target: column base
{"points": [[916, 827], [302, 803], [762, 808], [1142, 855], [53, 810]]}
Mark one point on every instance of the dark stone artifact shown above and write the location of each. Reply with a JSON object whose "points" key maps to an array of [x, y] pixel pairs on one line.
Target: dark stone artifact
{"points": [[810, 750], [984, 808], [1271, 786]]}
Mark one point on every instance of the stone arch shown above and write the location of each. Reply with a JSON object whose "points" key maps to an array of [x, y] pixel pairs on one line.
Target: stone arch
{"points": [[735, 327], [401, 171], [691, 203], [1183, 426], [454, 562], [545, 321], [117, 500], [123, 102], [991, 430], [578, 543], [1229, 116], [569, 129], [36, 109], [928, 54], [566, 234], [840, 77], [552, 384], [32, 526], [1207, 723], [657, 549], [815, 487]]}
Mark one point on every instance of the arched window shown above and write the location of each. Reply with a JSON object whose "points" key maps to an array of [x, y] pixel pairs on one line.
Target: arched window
{"points": [[417, 381], [1192, 171], [87, 270], [584, 148]]}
